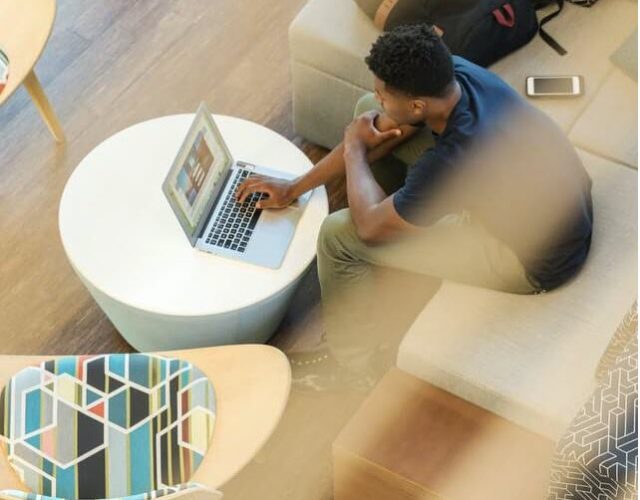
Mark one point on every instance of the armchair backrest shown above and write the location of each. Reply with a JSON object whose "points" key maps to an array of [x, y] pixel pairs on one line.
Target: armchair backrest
{"points": [[106, 425]]}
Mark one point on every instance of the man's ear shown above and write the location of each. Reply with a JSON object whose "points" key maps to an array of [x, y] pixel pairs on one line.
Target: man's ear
{"points": [[417, 106]]}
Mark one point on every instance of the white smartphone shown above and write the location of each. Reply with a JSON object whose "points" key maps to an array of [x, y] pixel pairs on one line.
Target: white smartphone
{"points": [[549, 86]]}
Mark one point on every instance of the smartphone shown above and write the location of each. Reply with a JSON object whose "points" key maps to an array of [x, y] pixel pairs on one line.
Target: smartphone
{"points": [[549, 86]]}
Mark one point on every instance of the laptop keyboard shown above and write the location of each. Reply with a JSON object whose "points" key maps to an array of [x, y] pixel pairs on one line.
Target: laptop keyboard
{"points": [[236, 221]]}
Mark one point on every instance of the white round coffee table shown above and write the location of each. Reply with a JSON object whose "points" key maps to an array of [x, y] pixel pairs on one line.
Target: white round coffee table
{"points": [[127, 247]]}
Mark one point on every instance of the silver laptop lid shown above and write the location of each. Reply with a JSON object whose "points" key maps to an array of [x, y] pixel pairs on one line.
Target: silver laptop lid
{"points": [[198, 174]]}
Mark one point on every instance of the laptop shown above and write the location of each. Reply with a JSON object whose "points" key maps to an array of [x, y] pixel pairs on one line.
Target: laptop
{"points": [[201, 187]]}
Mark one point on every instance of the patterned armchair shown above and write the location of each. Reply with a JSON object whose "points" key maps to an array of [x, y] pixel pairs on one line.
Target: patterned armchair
{"points": [[136, 426], [597, 457]]}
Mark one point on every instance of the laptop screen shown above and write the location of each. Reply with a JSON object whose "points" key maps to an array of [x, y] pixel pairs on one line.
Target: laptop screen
{"points": [[197, 173]]}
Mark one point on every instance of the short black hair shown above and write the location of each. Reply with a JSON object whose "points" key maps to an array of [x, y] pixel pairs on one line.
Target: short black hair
{"points": [[413, 60]]}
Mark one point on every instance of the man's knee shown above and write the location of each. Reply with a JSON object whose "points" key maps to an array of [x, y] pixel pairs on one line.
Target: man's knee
{"points": [[367, 102], [335, 232]]}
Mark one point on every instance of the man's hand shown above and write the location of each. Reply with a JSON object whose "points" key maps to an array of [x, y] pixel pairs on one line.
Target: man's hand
{"points": [[280, 191], [362, 132]]}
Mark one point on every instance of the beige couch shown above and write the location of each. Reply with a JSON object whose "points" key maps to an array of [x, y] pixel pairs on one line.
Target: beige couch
{"points": [[528, 359]]}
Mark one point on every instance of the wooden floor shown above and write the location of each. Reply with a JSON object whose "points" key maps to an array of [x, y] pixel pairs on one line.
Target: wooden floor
{"points": [[108, 65]]}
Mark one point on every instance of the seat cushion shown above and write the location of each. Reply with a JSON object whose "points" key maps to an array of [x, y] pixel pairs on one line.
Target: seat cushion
{"points": [[626, 56], [333, 36], [106, 425], [609, 125], [609, 24], [531, 359]]}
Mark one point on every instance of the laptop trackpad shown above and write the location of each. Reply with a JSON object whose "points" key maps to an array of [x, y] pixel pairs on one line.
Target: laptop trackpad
{"points": [[272, 236]]}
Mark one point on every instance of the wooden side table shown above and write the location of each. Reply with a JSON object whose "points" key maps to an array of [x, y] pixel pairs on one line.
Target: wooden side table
{"points": [[413, 441], [25, 26]]}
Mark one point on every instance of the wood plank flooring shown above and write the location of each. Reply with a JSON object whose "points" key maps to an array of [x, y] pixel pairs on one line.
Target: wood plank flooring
{"points": [[108, 65]]}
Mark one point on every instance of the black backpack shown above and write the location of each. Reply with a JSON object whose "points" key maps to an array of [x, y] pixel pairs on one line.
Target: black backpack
{"points": [[482, 31]]}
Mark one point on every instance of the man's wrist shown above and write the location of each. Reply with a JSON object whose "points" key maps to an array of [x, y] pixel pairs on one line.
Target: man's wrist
{"points": [[355, 150], [296, 189]]}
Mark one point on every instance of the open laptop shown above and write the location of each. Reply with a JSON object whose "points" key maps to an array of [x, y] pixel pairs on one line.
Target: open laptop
{"points": [[201, 187]]}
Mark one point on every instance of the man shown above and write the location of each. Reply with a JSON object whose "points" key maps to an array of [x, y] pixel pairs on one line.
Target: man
{"points": [[494, 195]]}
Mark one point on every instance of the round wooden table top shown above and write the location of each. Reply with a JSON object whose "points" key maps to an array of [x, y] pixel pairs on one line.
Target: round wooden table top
{"points": [[25, 26]]}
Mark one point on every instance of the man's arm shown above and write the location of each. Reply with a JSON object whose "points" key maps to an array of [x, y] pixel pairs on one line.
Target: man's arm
{"points": [[332, 166], [373, 213]]}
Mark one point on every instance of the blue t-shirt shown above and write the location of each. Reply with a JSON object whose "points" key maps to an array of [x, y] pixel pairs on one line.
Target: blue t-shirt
{"points": [[513, 169]]}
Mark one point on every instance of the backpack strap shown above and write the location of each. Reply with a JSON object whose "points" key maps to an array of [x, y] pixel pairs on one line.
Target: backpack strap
{"points": [[546, 36]]}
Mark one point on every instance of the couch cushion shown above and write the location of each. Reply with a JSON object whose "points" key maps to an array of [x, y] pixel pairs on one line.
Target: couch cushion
{"points": [[626, 56], [106, 425], [322, 104], [609, 125], [531, 359], [334, 36], [608, 23]]}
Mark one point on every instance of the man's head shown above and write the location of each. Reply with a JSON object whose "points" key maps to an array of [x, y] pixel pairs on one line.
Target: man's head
{"points": [[413, 73]]}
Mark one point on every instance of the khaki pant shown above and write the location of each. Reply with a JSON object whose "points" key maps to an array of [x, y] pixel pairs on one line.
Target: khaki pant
{"points": [[455, 248]]}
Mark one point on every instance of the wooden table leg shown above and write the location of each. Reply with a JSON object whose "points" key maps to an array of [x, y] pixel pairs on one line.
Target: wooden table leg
{"points": [[42, 103]]}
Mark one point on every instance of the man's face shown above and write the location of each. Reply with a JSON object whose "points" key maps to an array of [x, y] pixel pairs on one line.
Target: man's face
{"points": [[403, 109]]}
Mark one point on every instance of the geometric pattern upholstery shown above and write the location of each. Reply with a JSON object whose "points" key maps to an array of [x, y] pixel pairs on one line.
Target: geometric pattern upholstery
{"points": [[597, 457], [618, 343], [104, 426]]}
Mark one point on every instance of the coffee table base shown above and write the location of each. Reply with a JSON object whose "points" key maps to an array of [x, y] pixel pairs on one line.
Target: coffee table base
{"points": [[147, 332]]}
